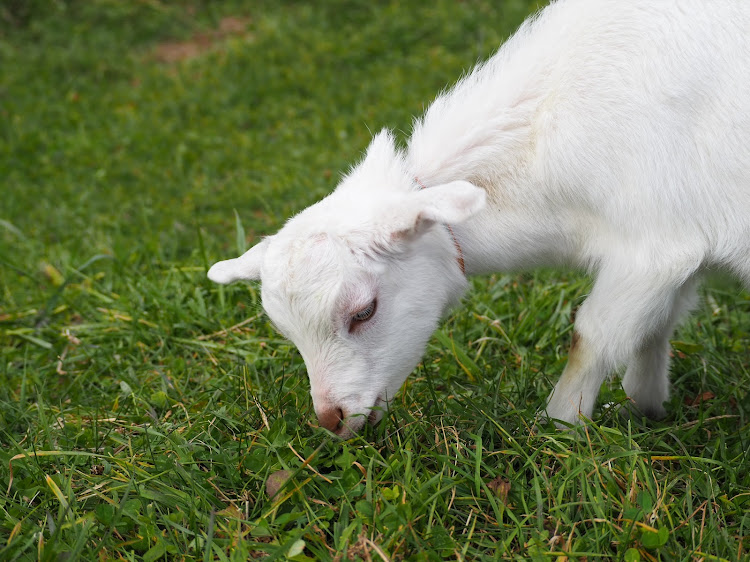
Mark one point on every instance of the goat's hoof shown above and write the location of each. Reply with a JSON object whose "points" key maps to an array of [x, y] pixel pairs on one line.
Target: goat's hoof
{"points": [[631, 410]]}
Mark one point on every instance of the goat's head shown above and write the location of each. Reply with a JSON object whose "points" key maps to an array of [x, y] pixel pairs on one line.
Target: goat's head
{"points": [[359, 282]]}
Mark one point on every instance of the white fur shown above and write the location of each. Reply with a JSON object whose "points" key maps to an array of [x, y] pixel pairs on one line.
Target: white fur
{"points": [[608, 135]]}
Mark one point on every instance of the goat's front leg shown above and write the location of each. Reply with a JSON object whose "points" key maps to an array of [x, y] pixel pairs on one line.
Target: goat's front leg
{"points": [[626, 308], [647, 379], [576, 391]]}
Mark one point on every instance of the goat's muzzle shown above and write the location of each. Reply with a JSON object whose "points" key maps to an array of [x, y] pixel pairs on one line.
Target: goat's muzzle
{"points": [[331, 418]]}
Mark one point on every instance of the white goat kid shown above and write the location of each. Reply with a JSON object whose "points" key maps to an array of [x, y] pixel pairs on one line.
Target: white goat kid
{"points": [[608, 135]]}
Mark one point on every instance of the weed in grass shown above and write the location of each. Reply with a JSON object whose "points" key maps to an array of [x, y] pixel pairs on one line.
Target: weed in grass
{"points": [[142, 409]]}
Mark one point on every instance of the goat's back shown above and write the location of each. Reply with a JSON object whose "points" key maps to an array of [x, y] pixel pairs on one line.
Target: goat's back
{"points": [[634, 115]]}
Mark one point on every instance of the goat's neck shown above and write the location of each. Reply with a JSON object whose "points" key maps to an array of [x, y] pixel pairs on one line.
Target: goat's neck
{"points": [[504, 239]]}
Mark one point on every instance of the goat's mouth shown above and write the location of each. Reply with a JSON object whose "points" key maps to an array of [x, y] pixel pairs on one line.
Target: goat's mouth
{"points": [[353, 424], [378, 411]]}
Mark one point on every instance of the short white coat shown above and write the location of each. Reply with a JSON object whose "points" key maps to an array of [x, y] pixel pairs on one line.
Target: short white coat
{"points": [[605, 134]]}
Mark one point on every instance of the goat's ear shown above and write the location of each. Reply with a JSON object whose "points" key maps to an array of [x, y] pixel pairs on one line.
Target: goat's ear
{"points": [[448, 203], [246, 267]]}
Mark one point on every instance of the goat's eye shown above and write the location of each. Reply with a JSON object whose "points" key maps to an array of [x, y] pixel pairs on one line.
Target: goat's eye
{"points": [[362, 315]]}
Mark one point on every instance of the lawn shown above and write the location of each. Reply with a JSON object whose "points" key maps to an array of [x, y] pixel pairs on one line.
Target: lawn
{"points": [[143, 409]]}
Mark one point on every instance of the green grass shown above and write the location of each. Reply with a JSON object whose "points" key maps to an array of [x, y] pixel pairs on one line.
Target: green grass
{"points": [[143, 408]]}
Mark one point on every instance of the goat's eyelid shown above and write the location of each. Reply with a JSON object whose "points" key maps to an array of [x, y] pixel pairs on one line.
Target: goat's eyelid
{"points": [[363, 315]]}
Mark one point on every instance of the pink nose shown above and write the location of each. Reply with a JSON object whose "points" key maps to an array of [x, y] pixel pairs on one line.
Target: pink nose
{"points": [[330, 418]]}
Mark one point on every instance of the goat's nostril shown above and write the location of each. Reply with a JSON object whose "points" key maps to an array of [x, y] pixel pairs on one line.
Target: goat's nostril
{"points": [[331, 418]]}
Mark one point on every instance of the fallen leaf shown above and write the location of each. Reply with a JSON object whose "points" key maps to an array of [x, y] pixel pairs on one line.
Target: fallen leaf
{"points": [[501, 487], [276, 481], [703, 397]]}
